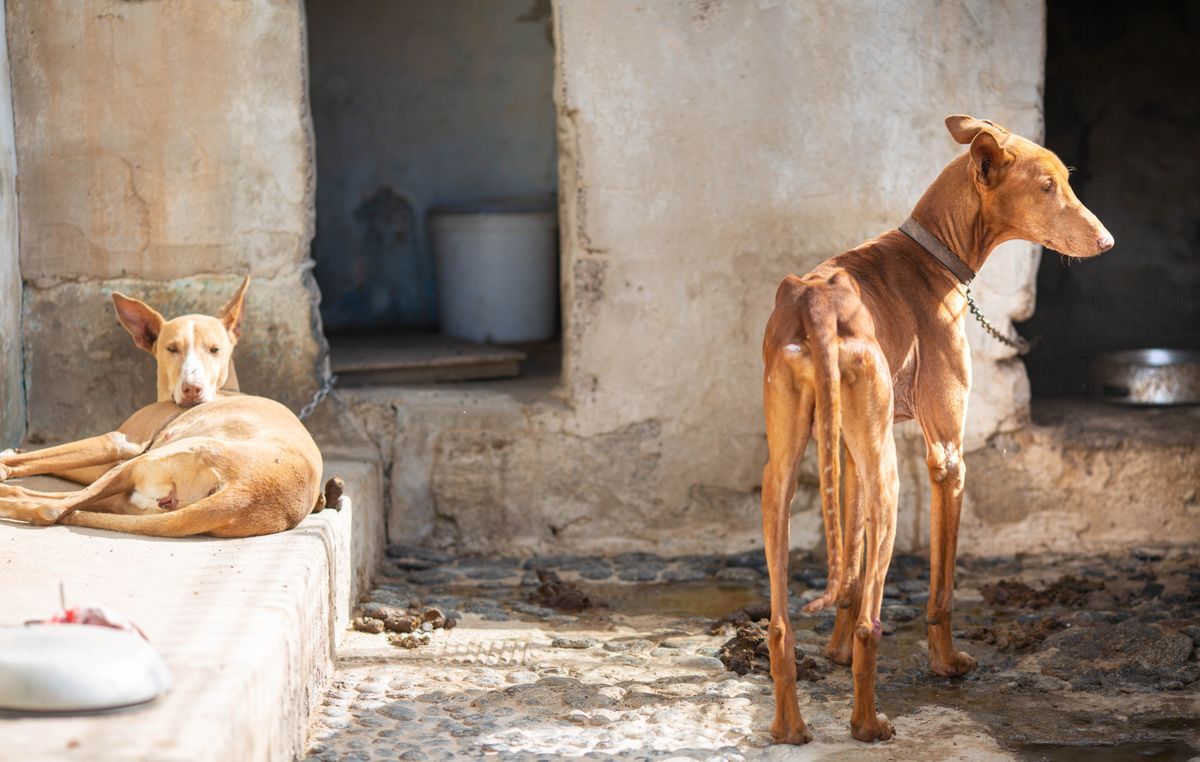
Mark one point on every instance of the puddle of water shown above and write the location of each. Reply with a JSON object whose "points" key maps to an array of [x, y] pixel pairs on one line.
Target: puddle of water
{"points": [[1166, 751], [677, 599]]}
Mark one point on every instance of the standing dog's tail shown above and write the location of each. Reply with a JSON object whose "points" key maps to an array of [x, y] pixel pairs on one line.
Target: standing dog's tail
{"points": [[820, 326]]}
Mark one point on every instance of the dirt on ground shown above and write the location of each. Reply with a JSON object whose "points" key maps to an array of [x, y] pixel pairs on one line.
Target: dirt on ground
{"points": [[553, 592], [1067, 591], [1078, 658], [747, 652]]}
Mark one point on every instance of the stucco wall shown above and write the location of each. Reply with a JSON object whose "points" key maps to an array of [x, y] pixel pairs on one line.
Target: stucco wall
{"points": [[417, 103], [12, 393], [165, 150], [708, 149]]}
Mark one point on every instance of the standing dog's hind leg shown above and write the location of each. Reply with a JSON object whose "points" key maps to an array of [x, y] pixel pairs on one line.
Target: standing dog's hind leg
{"points": [[868, 431], [789, 420]]}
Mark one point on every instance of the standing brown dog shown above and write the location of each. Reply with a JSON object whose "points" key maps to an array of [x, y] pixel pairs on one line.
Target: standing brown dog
{"points": [[877, 333], [203, 459]]}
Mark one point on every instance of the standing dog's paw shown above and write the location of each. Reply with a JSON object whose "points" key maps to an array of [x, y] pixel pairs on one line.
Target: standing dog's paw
{"points": [[796, 736], [867, 732], [959, 663]]}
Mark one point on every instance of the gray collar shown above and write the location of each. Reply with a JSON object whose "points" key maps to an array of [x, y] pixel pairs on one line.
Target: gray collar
{"points": [[938, 251]]}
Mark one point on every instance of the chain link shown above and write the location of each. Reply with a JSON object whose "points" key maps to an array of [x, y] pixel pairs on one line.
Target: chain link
{"points": [[1020, 344], [318, 398]]}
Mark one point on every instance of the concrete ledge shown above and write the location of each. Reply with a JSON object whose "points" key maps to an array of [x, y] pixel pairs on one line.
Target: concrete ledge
{"points": [[1085, 477], [248, 627]]}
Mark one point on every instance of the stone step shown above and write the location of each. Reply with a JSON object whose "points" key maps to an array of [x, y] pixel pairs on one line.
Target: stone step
{"points": [[384, 359], [248, 627]]}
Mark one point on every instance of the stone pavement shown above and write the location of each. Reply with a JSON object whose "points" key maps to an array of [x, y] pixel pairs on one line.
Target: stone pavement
{"points": [[642, 679]]}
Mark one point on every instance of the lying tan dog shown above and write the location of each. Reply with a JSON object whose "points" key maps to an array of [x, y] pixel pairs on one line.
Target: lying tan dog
{"points": [[877, 335], [203, 459]]}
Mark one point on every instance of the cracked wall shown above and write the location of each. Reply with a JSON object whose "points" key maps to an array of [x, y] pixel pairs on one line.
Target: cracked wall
{"points": [[12, 392], [165, 150]]}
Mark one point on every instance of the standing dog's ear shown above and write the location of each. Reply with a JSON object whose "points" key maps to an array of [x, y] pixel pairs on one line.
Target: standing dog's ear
{"points": [[231, 314], [964, 128], [989, 157], [141, 320], [984, 138]]}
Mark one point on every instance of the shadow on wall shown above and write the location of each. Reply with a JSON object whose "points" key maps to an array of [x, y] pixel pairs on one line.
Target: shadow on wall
{"points": [[1123, 113], [417, 104]]}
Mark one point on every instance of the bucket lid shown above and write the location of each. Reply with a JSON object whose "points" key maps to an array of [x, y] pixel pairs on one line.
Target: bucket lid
{"points": [[526, 204]]}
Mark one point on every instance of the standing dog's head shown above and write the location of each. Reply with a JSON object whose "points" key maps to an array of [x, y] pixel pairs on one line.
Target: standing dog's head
{"points": [[193, 352], [1026, 187]]}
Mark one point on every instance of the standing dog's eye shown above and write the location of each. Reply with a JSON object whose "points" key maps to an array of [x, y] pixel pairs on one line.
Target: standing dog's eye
{"points": [[215, 350], [1048, 185], [173, 349]]}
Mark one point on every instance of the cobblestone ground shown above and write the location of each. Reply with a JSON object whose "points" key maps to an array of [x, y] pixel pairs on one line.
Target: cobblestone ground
{"points": [[1080, 658]]}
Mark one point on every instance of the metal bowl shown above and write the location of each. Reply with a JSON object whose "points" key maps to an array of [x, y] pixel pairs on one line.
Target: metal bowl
{"points": [[1147, 377]]}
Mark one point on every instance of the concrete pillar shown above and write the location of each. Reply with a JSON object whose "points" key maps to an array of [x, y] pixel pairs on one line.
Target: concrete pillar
{"points": [[165, 151], [12, 389]]}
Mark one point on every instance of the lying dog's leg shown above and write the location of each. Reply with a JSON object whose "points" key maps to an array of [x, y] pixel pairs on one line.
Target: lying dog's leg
{"points": [[44, 508], [840, 648], [106, 449], [868, 430], [788, 408], [111, 504]]}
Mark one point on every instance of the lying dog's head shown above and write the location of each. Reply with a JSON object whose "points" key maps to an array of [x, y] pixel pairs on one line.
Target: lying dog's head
{"points": [[193, 352], [1026, 187]]}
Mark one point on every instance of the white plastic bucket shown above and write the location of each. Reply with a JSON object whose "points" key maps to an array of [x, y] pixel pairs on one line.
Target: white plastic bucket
{"points": [[497, 273]]}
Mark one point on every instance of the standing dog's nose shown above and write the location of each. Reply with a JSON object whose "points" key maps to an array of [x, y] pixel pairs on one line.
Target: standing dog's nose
{"points": [[1105, 242]]}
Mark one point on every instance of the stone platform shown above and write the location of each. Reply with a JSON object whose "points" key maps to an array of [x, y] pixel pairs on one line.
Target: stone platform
{"points": [[247, 627]]}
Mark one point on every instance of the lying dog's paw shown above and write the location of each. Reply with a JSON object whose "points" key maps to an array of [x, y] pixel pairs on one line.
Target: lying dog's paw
{"points": [[46, 515]]}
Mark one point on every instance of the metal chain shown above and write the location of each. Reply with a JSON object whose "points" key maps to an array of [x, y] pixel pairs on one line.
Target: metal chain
{"points": [[1020, 344], [318, 398]]}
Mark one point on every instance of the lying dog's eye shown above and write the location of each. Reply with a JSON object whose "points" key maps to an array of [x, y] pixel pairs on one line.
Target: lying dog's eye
{"points": [[215, 350], [173, 349], [1047, 186]]}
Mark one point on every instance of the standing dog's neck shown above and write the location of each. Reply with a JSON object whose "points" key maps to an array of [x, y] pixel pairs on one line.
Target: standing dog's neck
{"points": [[953, 212]]}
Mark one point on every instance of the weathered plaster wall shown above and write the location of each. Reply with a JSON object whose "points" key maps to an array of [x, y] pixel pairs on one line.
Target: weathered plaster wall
{"points": [[708, 149], [165, 149], [12, 392], [417, 103]]}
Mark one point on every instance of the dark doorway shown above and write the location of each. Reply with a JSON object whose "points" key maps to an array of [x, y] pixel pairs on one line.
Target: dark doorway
{"points": [[1122, 106]]}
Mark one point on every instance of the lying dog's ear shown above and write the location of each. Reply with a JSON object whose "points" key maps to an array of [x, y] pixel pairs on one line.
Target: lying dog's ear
{"points": [[140, 319], [989, 157], [964, 128], [231, 314]]}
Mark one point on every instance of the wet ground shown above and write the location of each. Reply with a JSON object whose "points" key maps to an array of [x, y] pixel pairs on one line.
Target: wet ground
{"points": [[1079, 658]]}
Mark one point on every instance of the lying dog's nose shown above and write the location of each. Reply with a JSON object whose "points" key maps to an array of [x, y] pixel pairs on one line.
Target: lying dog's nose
{"points": [[190, 392], [1105, 242]]}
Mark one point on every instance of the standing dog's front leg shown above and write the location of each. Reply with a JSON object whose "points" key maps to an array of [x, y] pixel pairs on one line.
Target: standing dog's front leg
{"points": [[947, 474]]}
